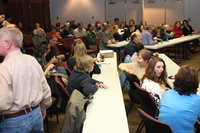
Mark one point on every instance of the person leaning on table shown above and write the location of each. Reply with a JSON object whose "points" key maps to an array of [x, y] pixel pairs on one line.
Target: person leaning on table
{"points": [[80, 78], [180, 107], [24, 92]]}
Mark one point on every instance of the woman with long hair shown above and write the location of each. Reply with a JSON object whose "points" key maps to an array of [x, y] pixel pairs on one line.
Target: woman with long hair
{"points": [[177, 29]]}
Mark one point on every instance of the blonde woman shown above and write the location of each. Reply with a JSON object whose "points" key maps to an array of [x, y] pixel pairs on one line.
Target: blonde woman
{"points": [[80, 78], [78, 51], [115, 33]]}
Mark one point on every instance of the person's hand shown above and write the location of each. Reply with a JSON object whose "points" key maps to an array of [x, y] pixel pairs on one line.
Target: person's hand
{"points": [[54, 60], [156, 54], [101, 85], [182, 35], [172, 33], [95, 59], [50, 67], [62, 56], [156, 42], [129, 71], [44, 114], [70, 35], [109, 42]]}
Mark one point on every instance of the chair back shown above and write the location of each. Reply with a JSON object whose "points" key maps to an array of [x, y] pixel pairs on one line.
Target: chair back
{"points": [[63, 91], [153, 125], [148, 103], [97, 41], [133, 93], [28, 41], [67, 42], [83, 39]]}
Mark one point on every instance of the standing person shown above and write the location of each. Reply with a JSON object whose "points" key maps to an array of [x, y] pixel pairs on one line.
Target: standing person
{"points": [[80, 31], [24, 94], [177, 29], [180, 107], [154, 79]]}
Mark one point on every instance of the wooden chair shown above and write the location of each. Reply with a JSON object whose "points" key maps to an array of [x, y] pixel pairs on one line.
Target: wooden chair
{"points": [[67, 42], [64, 93], [87, 46], [97, 41], [153, 125]]}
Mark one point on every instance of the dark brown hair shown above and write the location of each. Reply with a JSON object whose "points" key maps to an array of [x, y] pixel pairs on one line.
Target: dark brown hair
{"points": [[186, 80], [150, 73]]}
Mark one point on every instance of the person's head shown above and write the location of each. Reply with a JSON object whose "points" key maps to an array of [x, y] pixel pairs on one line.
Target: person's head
{"points": [[53, 40], [116, 20], [58, 24], [185, 23], [107, 28], [131, 22], [138, 47], [149, 29], [98, 25], [141, 28], [19, 24], [10, 39], [186, 81], [37, 25], [159, 28], [114, 29], [80, 25], [131, 28], [136, 37], [166, 27], [120, 25], [73, 21], [66, 26], [177, 24], [41, 51], [51, 23], [8, 18], [39, 31], [54, 30], [143, 57], [84, 64], [2, 18], [78, 49], [156, 71], [103, 25], [90, 26]]}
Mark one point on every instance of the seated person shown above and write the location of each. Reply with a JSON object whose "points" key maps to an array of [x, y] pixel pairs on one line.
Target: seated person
{"points": [[188, 30], [115, 33], [80, 31], [154, 79], [20, 27], [66, 33], [80, 78], [147, 37], [73, 24], [158, 33], [106, 38], [97, 28], [168, 34], [180, 107], [91, 35], [141, 28], [177, 29], [129, 48], [39, 37], [127, 33], [137, 68], [79, 50], [54, 32], [51, 25], [37, 26]]}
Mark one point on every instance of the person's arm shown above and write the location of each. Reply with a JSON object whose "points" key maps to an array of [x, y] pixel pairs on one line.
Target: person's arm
{"points": [[46, 71], [124, 66], [35, 41], [150, 40], [89, 38]]}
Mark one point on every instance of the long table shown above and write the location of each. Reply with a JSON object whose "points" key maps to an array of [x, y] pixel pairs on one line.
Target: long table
{"points": [[106, 113], [161, 45], [172, 69]]}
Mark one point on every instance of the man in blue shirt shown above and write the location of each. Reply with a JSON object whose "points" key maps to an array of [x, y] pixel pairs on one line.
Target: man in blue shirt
{"points": [[147, 37]]}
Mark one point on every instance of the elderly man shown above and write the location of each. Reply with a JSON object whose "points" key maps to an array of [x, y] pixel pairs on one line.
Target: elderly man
{"points": [[147, 37], [168, 34], [3, 21], [39, 37], [80, 31], [24, 94]]}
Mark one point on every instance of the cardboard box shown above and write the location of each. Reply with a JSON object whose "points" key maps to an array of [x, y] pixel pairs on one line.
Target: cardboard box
{"points": [[107, 53]]}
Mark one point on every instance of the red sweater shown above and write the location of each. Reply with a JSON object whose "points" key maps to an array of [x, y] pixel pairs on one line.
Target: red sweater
{"points": [[178, 32]]}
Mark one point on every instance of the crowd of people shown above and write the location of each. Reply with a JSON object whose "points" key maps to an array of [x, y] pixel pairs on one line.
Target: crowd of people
{"points": [[147, 66]]}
